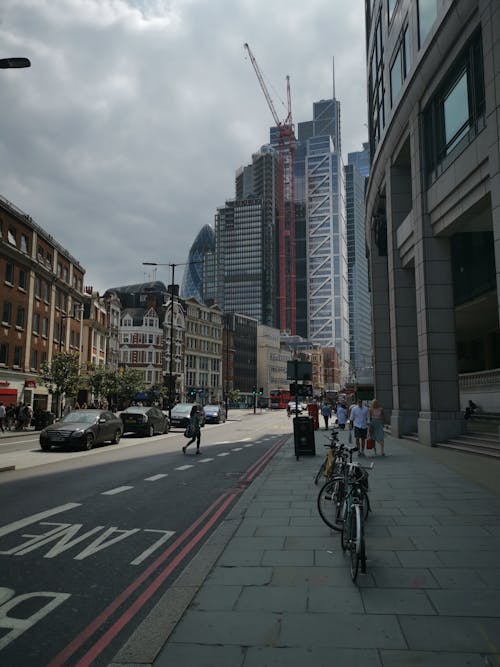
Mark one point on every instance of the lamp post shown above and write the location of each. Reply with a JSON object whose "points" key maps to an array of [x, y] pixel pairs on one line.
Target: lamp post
{"points": [[171, 354], [14, 63]]}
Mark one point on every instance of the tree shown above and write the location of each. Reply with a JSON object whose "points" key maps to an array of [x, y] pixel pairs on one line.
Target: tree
{"points": [[130, 382], [102, 381], [61, 375]]}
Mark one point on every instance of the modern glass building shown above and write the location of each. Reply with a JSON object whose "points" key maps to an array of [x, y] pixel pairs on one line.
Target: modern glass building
{"points": [[358, 280], [322, 184], [198, 263]]}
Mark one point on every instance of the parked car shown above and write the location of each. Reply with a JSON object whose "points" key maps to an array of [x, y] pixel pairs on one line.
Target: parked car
{"points": [[82, 429], [214, 414], [144, 420], [179, 415]]}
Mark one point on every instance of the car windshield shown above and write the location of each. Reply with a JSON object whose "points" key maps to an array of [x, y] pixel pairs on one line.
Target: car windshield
{"points": [[80, 417], [136, 408], [211, 407], [182, 408]]}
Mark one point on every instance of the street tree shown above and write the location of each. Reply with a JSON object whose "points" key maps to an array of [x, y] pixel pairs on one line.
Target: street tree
{"points": [[130, 382], [61, 376]]}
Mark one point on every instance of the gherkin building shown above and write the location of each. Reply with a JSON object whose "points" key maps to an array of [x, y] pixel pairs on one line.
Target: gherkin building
{"points": [[200, 256]]}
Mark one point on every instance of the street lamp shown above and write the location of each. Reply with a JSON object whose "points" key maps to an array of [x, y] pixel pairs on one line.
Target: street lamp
{"points": [[14, 63], [171, 355]]}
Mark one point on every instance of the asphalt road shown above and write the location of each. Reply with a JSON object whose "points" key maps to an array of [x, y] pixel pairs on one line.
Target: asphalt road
{"points": [[90, 541]]}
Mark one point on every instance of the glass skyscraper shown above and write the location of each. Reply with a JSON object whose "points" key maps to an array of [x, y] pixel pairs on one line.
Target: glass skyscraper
{"points": [[199, 262]]}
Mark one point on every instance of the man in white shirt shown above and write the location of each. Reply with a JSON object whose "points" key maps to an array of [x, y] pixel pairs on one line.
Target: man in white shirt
{"points": [[359, 419]]}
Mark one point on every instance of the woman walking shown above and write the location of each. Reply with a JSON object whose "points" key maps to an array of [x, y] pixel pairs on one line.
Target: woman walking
{"points": [[194, 423], [377, 425]]}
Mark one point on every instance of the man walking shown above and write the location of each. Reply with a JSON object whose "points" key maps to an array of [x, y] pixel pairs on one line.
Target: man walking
{"points": [[2, 417], [326, 411], [359, 419]]}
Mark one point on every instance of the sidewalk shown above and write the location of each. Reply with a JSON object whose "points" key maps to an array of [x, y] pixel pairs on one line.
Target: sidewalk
{"points": [[272, 586]]}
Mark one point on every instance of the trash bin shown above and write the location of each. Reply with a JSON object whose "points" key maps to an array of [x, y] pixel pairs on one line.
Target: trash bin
{"points": [[303, 436], [313, 411]]}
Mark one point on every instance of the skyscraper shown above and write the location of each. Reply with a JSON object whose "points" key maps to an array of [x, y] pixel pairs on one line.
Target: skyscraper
{"points": [[323, 188], [198, 264], [360, 324]]}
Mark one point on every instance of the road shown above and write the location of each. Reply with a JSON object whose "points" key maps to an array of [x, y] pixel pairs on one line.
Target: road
{"points": [[91, 541]]}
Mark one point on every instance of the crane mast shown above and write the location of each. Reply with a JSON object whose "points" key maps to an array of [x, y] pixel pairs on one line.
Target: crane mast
{"points": [[286, 206]]}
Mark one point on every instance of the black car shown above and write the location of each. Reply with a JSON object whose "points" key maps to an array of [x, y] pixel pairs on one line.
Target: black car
{"points": [[214, 414], [180, 415], [82, 429], [144, 420]]}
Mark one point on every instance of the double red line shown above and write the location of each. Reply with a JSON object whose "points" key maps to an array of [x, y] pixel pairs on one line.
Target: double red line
{"points": [[211, 516]]}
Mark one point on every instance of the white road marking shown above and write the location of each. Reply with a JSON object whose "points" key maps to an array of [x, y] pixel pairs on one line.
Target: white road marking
{"points": [[250, 445], [184, 467], [204, 460], [237, 449], [223, 454], [155, 478], [224, 442], [35, 518], [119, 489]]}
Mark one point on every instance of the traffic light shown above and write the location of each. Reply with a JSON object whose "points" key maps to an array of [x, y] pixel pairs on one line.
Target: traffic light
{"points": [[261, 391], [254, 390]]}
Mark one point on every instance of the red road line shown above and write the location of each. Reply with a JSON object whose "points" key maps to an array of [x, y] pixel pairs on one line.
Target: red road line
{"points": [[126, 617], [94, 626], [81, 638]]}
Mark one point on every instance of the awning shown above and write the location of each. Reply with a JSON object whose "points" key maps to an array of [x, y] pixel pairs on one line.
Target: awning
{"points": [[8, 396]]}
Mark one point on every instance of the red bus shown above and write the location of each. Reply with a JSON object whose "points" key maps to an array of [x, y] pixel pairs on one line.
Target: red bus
{"points": [[279, 398]]}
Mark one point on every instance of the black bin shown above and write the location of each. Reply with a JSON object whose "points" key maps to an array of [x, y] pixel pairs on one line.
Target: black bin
{"points": [[303, 436]]}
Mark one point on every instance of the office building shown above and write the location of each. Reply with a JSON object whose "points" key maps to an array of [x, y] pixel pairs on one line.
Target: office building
{"points": [[198, 264], [433, 210]]}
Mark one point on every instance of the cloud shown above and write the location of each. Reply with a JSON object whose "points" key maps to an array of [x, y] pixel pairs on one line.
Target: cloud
{"points": [[123, 137]]}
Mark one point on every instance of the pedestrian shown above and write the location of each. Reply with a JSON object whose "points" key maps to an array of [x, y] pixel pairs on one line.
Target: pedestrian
{"points": [[377, 425], [194, 423], [2, 417], [326, 411], [359, 418], [341, 415], [10, 414]]}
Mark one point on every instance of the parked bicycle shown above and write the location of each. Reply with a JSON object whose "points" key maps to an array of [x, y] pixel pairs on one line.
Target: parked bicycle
{"points": [[332, 495], [353, 534], [327, 468]]}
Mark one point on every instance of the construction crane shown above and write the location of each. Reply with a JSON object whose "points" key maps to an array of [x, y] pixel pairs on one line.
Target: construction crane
{"points": [[286, 206]]}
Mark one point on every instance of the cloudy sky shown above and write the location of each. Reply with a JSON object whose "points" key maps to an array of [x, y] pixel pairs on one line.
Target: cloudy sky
{"points": [[123, 137]]}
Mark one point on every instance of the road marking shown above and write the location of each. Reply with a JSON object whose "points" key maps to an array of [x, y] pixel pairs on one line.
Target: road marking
{"points": [[184, 467], [204, 460], [251, 445], [119, 489], [35, 518], [223, 454], [224, 442], [237, 449], [155, 478]]}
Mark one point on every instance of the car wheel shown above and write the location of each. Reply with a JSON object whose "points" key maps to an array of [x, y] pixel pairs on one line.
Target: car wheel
{"points": [[166, 429], [89, 442], [45, 446], [117, 437], [151, 431]]}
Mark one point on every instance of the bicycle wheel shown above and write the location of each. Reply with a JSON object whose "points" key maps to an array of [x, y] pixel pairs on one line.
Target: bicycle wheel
{"points": [[357, 544], [330, 499], [345, 535], [365, 504], [320, 473]]}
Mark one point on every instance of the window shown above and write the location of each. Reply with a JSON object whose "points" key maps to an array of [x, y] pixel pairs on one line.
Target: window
{"points": [[400, 64], [36, 323], [455, 115], [46, 292], [6, 313], [20, 317], [427, 12], [22, 279], [38, 286], [45, 327], [4, 353], [9, 273], [18, 355], [24, 244], [11, 237], [34, 360]]}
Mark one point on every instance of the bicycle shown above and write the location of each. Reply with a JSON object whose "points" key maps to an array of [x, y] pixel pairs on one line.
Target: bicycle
{"points": [[332, 495], [353, 535], [327, 467]]}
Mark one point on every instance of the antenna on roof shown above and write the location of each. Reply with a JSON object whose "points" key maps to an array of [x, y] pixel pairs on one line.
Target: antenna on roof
{"points": [[333, 76]]}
